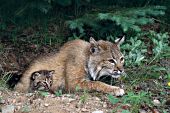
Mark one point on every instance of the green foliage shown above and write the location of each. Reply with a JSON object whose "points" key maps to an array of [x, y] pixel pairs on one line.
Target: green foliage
{"points": [[112, 99], [26, 108], [98, 18], [84, 97], [134, 51], [124, 20], [134, 99], [64, 2], [155, 71], [168, 76], [125, 111], [43, 93], [141, 66], [160, 41], [58, 93], [5, 76]]}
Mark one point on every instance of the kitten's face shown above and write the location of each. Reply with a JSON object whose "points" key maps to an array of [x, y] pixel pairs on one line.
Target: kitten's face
{"points": [[42, 79]]}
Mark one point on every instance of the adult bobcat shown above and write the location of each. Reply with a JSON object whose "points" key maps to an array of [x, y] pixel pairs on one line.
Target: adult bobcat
{"points": [[76, 62]]}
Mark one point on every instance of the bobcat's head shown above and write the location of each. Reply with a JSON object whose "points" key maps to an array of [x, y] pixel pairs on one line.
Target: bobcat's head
{"points": [[105, 59]]}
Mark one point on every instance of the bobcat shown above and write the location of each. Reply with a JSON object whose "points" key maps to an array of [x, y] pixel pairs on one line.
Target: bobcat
{"points": [[41, 80], [77, 62]]}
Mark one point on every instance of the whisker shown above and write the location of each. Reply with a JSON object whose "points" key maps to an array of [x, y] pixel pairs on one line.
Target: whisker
{"points": [[103, 77], [124, 74], [111, 81]]}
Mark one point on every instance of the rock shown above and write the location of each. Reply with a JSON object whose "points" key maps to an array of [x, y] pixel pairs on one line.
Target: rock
{"points": [[84, 110], [156, 102], [98, 99], [104, 104], [167, 101], [18, 107], [13, 100], [142, 111], [2, 101], [71, 99], [46, 105], [155, 111], [98, 111], [8, 109], [29, 94]]}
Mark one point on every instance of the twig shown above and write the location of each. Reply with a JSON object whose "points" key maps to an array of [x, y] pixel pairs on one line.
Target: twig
{"points": [[161, 21]]}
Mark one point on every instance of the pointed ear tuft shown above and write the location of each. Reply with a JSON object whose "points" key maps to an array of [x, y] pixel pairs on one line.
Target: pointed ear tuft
{"points": [[119, 41], [92, 41], [94, 47]]}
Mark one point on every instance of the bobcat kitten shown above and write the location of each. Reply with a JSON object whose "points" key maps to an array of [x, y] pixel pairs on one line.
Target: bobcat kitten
{"points": [[41, 80]]}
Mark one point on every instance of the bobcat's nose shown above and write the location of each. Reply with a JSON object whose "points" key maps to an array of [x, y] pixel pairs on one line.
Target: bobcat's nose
{"points": [[119, 69], [117, 72]]}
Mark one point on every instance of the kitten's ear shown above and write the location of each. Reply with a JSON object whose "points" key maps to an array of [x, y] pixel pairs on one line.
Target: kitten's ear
{"points": [[34, 75], [94, 47], [52, 72], [119, 41]]}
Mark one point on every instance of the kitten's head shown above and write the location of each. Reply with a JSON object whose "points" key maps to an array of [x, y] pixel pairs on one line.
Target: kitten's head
{"points": [[42, 78]]}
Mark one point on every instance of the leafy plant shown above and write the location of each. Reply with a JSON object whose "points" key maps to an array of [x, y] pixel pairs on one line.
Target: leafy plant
{"points": [[26, 108], [4, 79], [134, 51], [43, 93], [58, 93], [106, 24], [135, 100], [84, 97], [125, 111], [112, 99], [160, 41]]}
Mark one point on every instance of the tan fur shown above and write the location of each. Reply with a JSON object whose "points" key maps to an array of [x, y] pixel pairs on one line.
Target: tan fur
{"points": [[75, 62]]}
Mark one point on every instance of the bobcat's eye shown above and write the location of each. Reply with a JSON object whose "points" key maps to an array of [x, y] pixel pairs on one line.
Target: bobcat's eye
{"points": [[112, 61], [121, 59]]}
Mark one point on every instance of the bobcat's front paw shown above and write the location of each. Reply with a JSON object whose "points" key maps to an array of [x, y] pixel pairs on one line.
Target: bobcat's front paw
{"points": [[118, 91]]}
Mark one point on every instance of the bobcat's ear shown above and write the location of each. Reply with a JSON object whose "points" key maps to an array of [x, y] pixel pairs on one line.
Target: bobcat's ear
{"points": [[92, 41], [119, 41], [94, 47]]}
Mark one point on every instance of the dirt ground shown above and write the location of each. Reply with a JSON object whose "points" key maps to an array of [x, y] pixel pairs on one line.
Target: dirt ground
{"points": [[66, 103]]}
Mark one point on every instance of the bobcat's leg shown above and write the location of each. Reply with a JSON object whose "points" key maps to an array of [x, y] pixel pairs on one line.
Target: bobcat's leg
{"points": [[99, 86]]}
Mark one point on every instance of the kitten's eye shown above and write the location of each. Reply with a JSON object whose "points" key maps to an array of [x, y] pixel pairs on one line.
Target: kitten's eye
{"points": [[112, 61], [121, 59]]}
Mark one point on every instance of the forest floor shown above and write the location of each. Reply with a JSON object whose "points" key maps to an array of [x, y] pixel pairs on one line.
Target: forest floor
{"points": [[16, 57]]}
